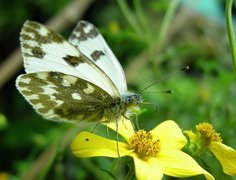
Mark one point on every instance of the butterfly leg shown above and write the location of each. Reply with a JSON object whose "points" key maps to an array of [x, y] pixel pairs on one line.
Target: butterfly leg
{"points": [[95, 126], [136, 121], [126, 117], [107, 131], [117, 137]]}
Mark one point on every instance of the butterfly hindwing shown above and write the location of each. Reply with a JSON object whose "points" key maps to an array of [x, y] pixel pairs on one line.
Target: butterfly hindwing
{"points": [[45, 50], [88, 40], [62, 97]]}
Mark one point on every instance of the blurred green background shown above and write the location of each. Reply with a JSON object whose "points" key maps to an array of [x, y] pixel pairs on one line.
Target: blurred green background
{"points": [[151, 39]]}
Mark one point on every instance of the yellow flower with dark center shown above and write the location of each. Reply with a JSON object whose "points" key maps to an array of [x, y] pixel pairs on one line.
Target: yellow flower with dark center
{"points": [[207, 138], [155, 153], [144, 144]]}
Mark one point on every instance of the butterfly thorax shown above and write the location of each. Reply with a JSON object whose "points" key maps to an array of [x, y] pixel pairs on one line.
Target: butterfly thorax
{"points": [[121, 106]]}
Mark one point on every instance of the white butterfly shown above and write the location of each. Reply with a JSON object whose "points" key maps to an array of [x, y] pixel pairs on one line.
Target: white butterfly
{"points": [[78, 80]]}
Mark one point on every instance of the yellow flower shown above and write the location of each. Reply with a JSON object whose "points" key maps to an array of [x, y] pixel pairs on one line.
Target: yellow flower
{"points": [[113, 27], [207, 138], [4, 176], [155, 153]]}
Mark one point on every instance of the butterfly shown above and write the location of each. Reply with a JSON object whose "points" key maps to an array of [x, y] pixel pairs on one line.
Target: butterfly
{"points": [[79, 80]]}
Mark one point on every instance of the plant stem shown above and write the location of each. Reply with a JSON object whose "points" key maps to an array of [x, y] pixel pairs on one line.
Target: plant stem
{"points": [[162, 34], [166, 22], [129, 16], [228, 14], [142, 20]]}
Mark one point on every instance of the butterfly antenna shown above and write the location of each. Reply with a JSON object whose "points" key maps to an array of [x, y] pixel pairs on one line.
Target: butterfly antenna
{"points": [[166, 77], [169, 91]]}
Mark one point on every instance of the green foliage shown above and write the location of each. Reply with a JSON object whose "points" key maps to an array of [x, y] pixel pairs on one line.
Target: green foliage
{"points": [[151, 40]]}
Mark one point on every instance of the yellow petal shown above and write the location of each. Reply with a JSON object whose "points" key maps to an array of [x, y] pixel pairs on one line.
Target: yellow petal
{"points": [[226, 155], [179, 164], [190, 134], [86, 144], [125, 128], [170, 135], [147, 169]]}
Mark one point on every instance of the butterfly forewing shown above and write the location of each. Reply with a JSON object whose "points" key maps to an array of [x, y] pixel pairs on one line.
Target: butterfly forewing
{"points": [[45, 50], [63, 97], [88, 40]]}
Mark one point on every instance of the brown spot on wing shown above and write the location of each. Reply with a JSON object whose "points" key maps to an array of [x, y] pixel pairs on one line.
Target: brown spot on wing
{"points": [[97, 54], [32, 31], [82, 34], [73, 60]]}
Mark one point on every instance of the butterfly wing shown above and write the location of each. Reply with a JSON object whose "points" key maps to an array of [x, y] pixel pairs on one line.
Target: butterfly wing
{"points": [[88, 40], [62, 97], [45, 50]]}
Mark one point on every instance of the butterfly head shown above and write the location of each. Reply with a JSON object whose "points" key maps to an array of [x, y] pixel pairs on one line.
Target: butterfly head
{"points": [[133, 99]]}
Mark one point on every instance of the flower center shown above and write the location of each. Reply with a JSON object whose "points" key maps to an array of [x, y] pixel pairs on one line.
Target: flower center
{"points": [[144, 143], [207, 132]]}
